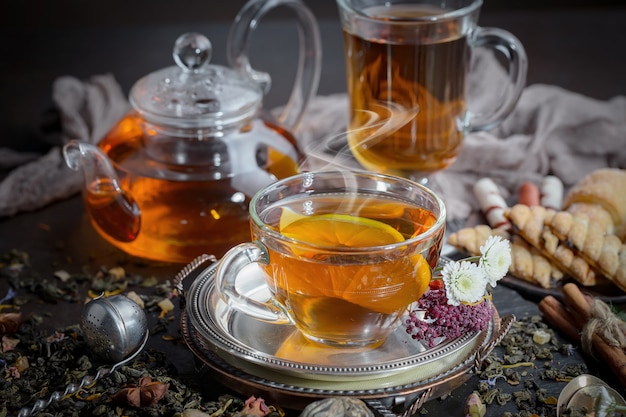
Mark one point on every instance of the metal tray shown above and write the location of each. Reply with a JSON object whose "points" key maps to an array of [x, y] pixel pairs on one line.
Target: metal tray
{"points": [[213, 333], [283, 349]]}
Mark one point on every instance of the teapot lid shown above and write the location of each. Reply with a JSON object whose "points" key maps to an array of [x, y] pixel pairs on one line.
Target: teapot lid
{"points": [[194, 94]]}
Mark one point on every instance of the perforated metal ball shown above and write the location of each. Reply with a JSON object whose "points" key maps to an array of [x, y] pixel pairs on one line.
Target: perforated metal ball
{"points": [[114, 327]]}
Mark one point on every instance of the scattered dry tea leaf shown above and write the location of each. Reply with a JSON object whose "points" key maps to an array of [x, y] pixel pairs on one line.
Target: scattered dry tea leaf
{"points": [[149, 282], [551, 400]]}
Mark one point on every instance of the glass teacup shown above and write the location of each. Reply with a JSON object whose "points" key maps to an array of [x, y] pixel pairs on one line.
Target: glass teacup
{"points": [[344, 254]]}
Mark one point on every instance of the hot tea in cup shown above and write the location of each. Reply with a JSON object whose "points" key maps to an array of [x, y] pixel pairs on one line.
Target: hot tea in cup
{"points": [[344, 254]]}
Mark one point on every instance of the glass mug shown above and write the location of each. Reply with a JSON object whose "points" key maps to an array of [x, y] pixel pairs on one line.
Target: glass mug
{"points": [[343, 254], [408, 63]]}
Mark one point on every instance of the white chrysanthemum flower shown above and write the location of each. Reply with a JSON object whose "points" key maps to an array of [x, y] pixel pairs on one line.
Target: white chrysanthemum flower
{"points": [[465, 282], [495, 259]]}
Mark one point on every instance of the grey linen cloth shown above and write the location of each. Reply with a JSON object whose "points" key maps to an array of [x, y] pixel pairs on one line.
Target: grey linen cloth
{"points": [[88, 110], [551, 131]]}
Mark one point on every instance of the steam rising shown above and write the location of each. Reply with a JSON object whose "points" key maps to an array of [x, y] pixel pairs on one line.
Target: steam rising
{"points": [[335, 152]]}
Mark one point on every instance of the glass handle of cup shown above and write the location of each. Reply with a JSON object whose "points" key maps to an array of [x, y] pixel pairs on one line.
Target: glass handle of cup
{"points": [[227, 273], [514, 53]]}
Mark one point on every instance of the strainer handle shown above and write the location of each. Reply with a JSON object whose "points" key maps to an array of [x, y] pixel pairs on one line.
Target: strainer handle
{"points": [[72, 388], [188, 270], [87, 381]]}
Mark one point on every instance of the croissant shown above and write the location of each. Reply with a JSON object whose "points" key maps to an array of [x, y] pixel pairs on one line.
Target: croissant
{"points": [[529, 223], [602, 196], [526, 262]]}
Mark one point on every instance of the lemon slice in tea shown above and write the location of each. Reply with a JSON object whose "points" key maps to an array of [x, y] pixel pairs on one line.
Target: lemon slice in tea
{"points": [[338, 230], [383, 287], [288, 216]]}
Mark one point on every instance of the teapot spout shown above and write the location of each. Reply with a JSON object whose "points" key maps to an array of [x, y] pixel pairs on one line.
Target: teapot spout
{"points": [[113, 211], [96, 166]]}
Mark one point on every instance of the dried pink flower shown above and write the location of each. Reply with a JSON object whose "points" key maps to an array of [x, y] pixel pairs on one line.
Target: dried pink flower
{"points": [[254, 407], [10, 322], [435, 318], [9, 343], [146, 393]]}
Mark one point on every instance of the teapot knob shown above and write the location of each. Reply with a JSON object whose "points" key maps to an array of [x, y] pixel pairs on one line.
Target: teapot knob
{"points": [[192, 51]]}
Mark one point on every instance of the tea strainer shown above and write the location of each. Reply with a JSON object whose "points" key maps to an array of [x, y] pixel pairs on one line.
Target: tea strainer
{"points": [[116, 329]]}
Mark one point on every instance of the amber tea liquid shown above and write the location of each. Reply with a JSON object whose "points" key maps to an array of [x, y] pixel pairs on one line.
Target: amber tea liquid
{"points": [[407, 91], [351, 297]]}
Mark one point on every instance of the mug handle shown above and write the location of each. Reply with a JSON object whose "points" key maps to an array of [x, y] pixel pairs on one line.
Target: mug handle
{"points": [[513, 50], [226, 276], [309, 61]]}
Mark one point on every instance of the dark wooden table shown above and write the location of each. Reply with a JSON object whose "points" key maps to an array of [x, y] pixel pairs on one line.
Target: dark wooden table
{"points": [[580, 49], [60, 237]]}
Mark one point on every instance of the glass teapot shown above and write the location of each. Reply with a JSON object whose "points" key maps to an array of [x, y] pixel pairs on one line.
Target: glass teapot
{"points": [[172, 180]]}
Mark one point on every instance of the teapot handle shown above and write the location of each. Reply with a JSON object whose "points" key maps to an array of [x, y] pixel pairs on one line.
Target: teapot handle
{"points": [[309, 62]]}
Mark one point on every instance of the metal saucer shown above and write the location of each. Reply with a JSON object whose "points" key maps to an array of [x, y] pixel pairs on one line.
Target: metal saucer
{"points": [[282, 348], [407, 391], [278, 358]]}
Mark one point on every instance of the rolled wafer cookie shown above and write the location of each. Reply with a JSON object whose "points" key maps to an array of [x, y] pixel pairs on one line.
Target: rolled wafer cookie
{"points": [[551, 192], [529, 194], [491, 203], [529, 264]]}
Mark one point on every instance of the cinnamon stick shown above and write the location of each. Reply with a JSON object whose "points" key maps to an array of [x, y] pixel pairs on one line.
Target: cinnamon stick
{"points": [[577, 301], [613, 356], [569, 324], [556, 315]]}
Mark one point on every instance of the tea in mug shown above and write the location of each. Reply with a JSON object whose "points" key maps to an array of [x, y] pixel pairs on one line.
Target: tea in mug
{"points": [[344, 282], [407, 89]]}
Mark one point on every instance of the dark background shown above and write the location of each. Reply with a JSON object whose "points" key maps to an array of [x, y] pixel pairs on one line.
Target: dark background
{"points": [[579, 45], [76, 12]]}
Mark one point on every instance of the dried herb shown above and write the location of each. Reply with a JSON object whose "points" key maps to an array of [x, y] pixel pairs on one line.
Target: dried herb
{"points": [[36, 361], [526, 354]]}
